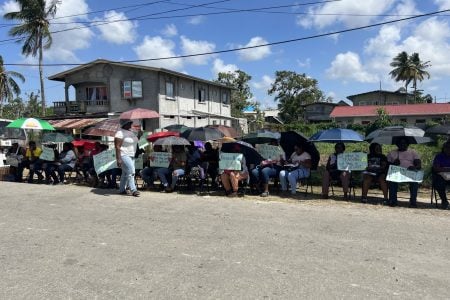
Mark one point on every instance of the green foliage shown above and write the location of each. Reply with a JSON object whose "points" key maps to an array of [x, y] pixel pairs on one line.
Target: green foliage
{"points": [[240, 95], [383, 120], [19, 108], [8, 86]]}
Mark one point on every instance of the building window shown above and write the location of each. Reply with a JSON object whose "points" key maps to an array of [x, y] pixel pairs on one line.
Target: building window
{"points": [[96, 93], [225, 99], [365, 122], [403, 120], [214, 122], [131, 89], [169, 90], [201, 95]]}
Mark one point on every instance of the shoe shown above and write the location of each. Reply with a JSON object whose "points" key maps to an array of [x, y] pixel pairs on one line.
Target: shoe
{"points": [[324, 196], [168, 190], [123, 193], [363, 200], [136, 194], [393, 204], [412, 205], [264, 194], [444, 205]]}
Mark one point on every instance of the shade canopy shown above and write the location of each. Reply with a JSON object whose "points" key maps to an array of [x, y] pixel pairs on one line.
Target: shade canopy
{"points": [[31, 123], [107, 127]]}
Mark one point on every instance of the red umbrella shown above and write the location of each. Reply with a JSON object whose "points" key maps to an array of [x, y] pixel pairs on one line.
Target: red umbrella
{"points": [[87, 144], [139, 113], [153, 137], [104, 128]]}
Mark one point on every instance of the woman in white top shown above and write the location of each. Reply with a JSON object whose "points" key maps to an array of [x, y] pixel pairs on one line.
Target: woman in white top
{"points": [[125, 144], [301, 161]]}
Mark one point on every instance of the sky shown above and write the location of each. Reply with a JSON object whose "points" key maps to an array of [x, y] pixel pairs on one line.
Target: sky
{"points": [[344, 64]]}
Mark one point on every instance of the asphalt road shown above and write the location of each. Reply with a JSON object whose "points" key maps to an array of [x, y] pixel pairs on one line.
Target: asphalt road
{"points": [[70, 242]]}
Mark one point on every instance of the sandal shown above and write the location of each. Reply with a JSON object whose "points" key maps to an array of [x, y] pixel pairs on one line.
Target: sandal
{"points": [[264, 194], [136, 194], [233, 194]]}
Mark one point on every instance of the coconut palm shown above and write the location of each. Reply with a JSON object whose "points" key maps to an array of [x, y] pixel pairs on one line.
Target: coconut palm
{"points": [[8, 86], [418, 70], [33, 31]]}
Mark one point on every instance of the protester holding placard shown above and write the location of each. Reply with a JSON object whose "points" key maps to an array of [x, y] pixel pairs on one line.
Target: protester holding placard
{"points": [[441, 173], [31, 161], [230, 178], [149, 174], [50, 167], [332, 173], [300, 165], [407, 159], [176, 168], [377, 165], [67, 160]]}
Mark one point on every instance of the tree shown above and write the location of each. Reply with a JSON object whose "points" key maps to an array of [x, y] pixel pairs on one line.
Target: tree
{"points": [[34, 31], [33, 107], [418, 71], [383, 120], [8, 86], [240, 93], [14, 109], [292, 91]]}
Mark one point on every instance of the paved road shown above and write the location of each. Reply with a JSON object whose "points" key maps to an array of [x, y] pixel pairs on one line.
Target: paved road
{"points": [[69, 242]]}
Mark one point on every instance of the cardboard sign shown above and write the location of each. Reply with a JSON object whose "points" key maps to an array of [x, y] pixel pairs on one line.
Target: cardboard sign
{"points": [[400, 174], [139, 162], [270, 151], [142, 143], [105, 160], [160, 159], [230, 161], [352, 161], [47, 154]]}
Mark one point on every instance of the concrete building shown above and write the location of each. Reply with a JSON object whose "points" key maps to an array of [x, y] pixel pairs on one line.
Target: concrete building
{"points": [[380, 97], [103, 88], [318, 112]]}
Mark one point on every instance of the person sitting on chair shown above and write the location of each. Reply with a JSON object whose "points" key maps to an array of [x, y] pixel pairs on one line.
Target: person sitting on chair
{"points": [[210, 162], [332, 173], [441, 170], [377, 165], [15, 154], [66, 160], [194, 169], [301, 165], [149, 173], [230, 178], [32, 162], [407, 159], [176, 168]]}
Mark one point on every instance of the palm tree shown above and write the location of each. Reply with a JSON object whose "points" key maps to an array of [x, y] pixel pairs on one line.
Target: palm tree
{"points": [[418, 70], [8, 86], [34, 31]]}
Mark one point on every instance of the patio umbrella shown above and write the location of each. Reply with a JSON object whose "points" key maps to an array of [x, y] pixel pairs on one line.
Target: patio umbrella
{"points": [[291, 138], [87, 144], [172, 141], [153, 137], [226, 130], [106, 127], [442, 129], [56, 137], [202, 134], [251, 155], [390, 135], [177, 127], [30, 123], [337, 135], [261, 137], [139, 113]]}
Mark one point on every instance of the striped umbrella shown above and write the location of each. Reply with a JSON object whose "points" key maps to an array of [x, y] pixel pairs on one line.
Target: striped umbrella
{"points": [[30, 123]]}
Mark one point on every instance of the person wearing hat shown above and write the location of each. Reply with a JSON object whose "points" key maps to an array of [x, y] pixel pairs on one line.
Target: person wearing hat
{"points": [[125, 142]]}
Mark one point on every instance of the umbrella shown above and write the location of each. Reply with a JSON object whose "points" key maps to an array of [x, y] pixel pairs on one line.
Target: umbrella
{"points": [[261, 137], [30, 123], [202, 134], [390, 135], [172, 141], [87, 144], [106, 127], [291, 138], [177, 127], [153, 137], [56, 137], [251, 155], [443, 129], [139, 113], [337, 135], [226, 130]]}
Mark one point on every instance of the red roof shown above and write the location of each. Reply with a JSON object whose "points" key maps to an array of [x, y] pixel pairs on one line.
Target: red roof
{"points": [[392, 110]]}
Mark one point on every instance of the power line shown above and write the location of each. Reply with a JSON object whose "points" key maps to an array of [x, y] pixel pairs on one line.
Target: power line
{"points": [[247, 47]]}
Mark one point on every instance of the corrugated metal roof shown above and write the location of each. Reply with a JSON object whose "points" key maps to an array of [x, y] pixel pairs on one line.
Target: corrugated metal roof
{"points": [[74, 123], [392, 110]]}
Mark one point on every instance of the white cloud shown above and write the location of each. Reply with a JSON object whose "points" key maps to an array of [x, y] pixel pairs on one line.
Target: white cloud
{"points": [[219, 66], [347, 66], [196, 20], [265, 83], [170, 30], [304, 64], [193, 47], [442, 4], [157, 47], [122, 32], [255, 53], [9, 6]]}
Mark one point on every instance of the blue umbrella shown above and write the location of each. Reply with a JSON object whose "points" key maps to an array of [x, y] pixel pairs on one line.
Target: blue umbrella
{"points": [[336, 135]]}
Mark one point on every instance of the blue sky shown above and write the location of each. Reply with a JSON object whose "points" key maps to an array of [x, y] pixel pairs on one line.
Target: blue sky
{"points": [[344, 64]]}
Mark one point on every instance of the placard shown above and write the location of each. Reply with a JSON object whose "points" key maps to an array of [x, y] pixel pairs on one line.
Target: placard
{"points": [[270, 151], [160, 159], [400, 174], [47, 154], [352, 161], [105, 160], [142, 143], [139, 162], [230, 161]]}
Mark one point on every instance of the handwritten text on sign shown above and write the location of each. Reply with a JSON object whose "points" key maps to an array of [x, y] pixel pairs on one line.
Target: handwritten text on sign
{"points": [[352, 161], [400, 174], [105, 160], [270, 151], [47, 154], [230, 161], [160, 159]]}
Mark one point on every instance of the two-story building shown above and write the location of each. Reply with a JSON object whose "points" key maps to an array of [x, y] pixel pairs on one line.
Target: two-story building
{"points": [[381, 97], [104, 88]]}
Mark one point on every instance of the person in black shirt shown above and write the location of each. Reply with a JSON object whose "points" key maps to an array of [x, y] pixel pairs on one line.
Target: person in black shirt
{"points": [[377, 166]]}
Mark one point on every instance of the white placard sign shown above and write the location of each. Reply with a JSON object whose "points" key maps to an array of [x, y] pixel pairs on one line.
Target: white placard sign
{"points": [[230, 161], [105, 160], [160, 159], [47, 154], [270, 151], [400, 174], [139, 162], [352, 161]]}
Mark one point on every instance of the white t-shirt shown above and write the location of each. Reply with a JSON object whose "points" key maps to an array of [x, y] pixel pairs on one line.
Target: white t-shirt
{"points": [[295, 158], [129, 142]]}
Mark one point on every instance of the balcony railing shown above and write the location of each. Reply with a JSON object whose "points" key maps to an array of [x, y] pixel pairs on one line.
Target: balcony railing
{"points": [[81, 106]]}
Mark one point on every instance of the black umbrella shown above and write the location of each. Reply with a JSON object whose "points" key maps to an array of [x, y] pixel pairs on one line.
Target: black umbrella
{"points": [[391, 134], [442, 129], [177, 127], [290, 138], [251, 155], [261, 137], [202, 134]]}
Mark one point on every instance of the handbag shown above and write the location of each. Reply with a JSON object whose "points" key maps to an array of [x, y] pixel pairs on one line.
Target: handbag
{"points": [[12, 161]]}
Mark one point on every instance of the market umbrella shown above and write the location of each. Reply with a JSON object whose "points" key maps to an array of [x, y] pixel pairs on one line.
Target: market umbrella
{"points": [[261, 137], [291, 138], [337, 135], [202, 134], [442, 129], [157, 135], [251, 155], [172, 141], [56, 137], [87, 144], [390, 135], [31, 123], [106, 127], [177, 127], [139, 113], [226, 130]]}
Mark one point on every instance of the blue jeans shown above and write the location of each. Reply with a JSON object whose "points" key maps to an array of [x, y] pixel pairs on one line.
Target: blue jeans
{"points": [[393, 188], [263, 175], [148, 175], [292, 177], [164, 172], [62, 169], [127, 177]]}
